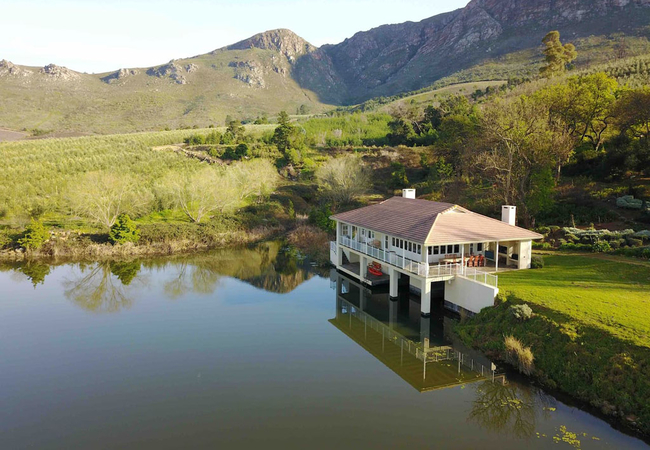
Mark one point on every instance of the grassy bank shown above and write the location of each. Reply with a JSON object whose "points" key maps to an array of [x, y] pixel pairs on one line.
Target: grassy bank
{"points": [[588, 332]]}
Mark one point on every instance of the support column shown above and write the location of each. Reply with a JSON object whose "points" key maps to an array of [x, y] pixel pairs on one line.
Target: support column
{"points": [[462, 259], [363, 268], [425, 299], [496, 258], [394, 283]]}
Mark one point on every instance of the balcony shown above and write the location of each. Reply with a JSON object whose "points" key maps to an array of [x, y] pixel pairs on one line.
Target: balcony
{"points": [[441, 271]]}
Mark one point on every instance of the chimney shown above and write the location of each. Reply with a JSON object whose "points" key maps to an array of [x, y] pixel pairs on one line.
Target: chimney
{"points": [[509, 214], [408, 193]]}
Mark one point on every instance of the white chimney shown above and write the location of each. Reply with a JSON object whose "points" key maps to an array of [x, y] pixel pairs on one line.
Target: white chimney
{"points": [[509, 214], [408, 193]]}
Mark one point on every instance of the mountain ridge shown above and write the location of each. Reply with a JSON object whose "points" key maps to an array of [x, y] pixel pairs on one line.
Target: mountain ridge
{"points": [[277, 69]]}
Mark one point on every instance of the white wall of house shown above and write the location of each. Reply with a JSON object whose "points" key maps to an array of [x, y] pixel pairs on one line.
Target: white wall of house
{"points": [[469, 294]]}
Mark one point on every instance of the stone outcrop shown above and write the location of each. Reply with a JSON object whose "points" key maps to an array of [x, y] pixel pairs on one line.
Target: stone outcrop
{"points": [[59, 72], [7, 68], [119, 75], [250, 72], [173, 71]]}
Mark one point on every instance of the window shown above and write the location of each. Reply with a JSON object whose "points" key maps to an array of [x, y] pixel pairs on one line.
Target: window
{"points": [[371, 234], [409, 247], [345, 230], [471, 249], [436, 250], [456, 248], [354, 232], [385, 242], [430, 251], [479, 247], [394, 243], [401, 244], [363, 232], [450, 249], [419, 249]]}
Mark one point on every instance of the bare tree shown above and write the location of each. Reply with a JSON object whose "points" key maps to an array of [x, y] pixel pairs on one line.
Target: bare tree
{"points": [[343, 179], [103, 196]]}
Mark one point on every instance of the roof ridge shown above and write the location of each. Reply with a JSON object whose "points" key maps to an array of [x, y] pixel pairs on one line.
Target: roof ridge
{"points": [[433, 225]]}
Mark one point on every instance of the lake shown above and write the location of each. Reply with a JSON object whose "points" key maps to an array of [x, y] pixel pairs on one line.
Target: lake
{"points": [[249, 348]]}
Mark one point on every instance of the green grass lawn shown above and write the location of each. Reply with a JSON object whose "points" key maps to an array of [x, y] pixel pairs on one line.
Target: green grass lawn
{"points": [[613, 295]]}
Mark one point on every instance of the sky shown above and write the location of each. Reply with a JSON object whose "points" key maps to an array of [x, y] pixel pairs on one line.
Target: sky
{"points": [[100, 36]]}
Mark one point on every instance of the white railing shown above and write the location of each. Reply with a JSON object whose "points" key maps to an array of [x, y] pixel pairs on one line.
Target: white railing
{"points": [[333, 247], [419, 268], [482, 277]]}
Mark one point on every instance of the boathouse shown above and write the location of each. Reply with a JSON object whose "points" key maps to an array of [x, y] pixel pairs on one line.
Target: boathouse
{"points": [[438, 247]]}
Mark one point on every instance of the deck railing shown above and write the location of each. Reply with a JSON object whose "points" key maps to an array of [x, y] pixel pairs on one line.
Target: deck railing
{"points": [[482, 277], [419, 268]]}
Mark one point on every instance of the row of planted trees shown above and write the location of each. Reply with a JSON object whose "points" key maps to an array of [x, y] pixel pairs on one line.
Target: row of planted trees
{"points": [[102, 197]]}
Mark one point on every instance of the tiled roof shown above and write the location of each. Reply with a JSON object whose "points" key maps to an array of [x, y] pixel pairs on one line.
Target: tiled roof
{"points": [[432, 223]]}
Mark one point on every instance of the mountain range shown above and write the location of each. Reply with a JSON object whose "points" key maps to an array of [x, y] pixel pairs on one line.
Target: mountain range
{"points": [[278, 70]]}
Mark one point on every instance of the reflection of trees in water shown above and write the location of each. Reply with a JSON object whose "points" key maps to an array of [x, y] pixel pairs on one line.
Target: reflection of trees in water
{"points": [[101, 287], [35, 272], [270, 266], [192, 278], [507, 408]]}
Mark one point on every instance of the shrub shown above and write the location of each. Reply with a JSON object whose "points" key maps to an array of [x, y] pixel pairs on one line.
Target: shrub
{"points": [[601, 247], [521, 312], [542, 246], [124, 230], [518, 355], [632, 242], [35, 235], [537, 262], [320, 217]]}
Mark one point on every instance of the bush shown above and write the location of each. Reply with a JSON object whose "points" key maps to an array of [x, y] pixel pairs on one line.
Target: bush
{"points": [[521, 312], [321, 218], [124, 230], [601, 247], [632, 242], [518, 355], [542, 246], [35, 235], [537, 262]]}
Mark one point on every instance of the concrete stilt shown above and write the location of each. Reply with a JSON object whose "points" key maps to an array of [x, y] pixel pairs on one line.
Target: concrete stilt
{"points": [[394, 283], [363, 268], [425, 300]]}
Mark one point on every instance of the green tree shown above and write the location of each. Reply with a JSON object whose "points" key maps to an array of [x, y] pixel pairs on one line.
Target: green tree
{"points": [[235, 132], [283, 132], [35, 235], [398, 179], [557, 55], [124, 230], [583, 105]]}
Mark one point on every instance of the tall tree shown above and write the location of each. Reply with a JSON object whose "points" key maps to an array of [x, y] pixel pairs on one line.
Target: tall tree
{"points": [[557, 55], [520, 145], [584, 105], [283, 132]]}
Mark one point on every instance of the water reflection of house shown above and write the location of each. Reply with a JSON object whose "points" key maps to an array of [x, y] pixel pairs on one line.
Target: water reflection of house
{"points": [[416, 348], [435, 246]]}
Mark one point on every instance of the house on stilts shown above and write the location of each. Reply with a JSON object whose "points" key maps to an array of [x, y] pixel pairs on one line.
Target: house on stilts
{"points": [[441, 248]]}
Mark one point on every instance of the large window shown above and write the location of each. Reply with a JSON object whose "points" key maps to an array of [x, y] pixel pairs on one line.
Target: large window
{"points": [[345, 229], [479, 247], [436, 250]]}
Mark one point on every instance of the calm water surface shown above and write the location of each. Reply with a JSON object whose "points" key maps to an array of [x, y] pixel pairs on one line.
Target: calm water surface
{"points": [[244, 349]]}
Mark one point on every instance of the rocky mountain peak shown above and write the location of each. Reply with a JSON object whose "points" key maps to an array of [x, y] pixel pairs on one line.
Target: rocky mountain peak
{"points": [[282, 40]]}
